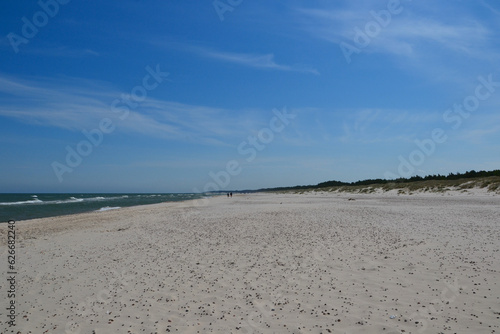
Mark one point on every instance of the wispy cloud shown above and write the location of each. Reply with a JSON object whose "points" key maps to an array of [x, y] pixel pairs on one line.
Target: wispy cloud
{"points": [[386, 125], [53, 51], [416, 33], [255, 60], [482, 136], [265, 61], [490, 7], [64, 52], [74, 106]]}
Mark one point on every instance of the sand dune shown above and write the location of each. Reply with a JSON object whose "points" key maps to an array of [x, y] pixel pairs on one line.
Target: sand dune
{"points": [[265, 263]]}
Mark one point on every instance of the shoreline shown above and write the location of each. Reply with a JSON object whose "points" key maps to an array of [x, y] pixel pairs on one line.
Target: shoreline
{"points": [[65, 204], [367, 190], [95, 218], [59, 222]]}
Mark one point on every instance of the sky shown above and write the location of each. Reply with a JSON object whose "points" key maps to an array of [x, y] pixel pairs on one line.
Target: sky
{"points": [[192, 96]]}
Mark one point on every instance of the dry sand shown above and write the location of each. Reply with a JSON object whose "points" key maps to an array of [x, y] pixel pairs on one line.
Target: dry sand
{"points": [[263, 263]]}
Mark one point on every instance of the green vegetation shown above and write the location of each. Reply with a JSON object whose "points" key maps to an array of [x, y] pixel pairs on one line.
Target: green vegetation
{"points": [[431, 183]]}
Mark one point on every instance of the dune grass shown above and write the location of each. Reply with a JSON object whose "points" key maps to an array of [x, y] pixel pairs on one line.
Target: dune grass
{"points": [[492, 184]]}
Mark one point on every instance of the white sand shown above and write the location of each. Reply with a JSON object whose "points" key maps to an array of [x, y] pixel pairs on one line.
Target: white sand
{"points": [[264, 263]]}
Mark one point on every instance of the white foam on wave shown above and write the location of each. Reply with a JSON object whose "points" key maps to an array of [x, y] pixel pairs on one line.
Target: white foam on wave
{"points": [[34, 201], [65, 201], [72, 199], [107, 208]]}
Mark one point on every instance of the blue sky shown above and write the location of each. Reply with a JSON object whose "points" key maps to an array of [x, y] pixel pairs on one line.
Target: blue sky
{"points": [[360, 84]]}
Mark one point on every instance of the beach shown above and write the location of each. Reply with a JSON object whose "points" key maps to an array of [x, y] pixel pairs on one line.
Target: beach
{"points": [[317, 262]]}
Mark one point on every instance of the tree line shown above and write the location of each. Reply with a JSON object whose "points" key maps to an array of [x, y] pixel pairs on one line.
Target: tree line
{"points": [[451, 176]]}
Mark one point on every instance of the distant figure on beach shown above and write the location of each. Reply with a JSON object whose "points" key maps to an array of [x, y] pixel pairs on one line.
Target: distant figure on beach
{"points": [[227, 194], [231, 194]]}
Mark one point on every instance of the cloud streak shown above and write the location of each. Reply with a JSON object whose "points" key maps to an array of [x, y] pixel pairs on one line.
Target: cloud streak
{"points": [[408, 34], [72, 106], [263, 61]]}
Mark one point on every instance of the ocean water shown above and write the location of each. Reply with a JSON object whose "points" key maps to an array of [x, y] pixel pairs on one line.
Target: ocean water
{"points": [[29, 206]]}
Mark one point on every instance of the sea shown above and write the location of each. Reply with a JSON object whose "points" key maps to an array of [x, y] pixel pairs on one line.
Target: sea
{"points": [[29, 206]]}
